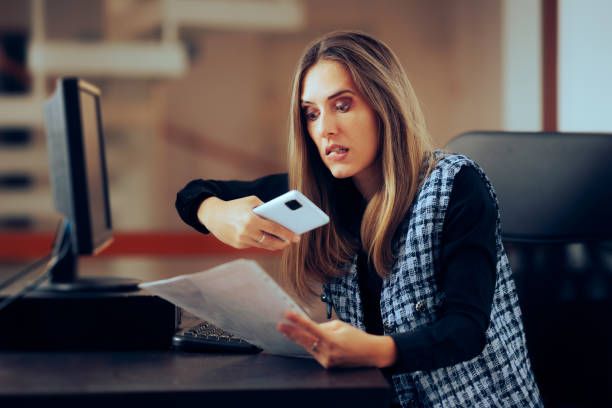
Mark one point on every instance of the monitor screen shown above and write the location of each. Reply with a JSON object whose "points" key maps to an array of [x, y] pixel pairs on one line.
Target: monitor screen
{"points": [[95, 169], [78, 164], [79, 183]]}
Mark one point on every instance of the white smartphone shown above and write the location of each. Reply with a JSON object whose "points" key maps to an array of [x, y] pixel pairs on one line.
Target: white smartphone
{"points": [[293, 211]]}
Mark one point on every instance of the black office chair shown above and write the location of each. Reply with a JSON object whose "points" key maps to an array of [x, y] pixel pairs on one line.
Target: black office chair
{"points": [[555, 197]]}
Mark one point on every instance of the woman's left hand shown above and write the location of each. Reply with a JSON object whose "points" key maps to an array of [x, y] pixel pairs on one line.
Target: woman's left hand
{"points": [[338, 344]]}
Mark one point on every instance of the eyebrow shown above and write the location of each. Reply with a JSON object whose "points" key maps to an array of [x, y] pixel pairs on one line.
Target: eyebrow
{"points": [[332, 96]]}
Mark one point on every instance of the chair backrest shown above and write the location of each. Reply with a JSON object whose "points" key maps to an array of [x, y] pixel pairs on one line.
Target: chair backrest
{"points": [[551, 186], [555, 197]]}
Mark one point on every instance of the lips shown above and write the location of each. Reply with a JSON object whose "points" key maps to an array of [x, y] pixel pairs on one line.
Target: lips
{"points": [[336, 149]]}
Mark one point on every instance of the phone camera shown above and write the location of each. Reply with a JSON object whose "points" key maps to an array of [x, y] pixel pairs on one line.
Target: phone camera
{"points": [[293, 204]]}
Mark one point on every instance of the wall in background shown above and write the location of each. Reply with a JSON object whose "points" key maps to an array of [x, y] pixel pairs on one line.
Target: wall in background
{"points": [[585, 82], [521, 65]]}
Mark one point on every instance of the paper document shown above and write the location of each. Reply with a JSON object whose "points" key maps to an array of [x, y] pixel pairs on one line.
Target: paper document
{"points": [[238, 297]]}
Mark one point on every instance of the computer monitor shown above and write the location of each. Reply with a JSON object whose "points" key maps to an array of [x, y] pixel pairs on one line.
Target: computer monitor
{"points": [[75, 143]]}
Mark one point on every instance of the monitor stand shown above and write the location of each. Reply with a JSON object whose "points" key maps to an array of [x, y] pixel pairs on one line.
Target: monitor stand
{"points": [[63, 271]]}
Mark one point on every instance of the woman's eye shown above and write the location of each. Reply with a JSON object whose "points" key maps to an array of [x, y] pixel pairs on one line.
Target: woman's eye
{"points": [[343, 105], [310, 115]]}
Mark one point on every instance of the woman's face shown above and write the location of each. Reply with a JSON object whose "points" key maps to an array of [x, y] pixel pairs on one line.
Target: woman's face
{"points": [[340, 122]]}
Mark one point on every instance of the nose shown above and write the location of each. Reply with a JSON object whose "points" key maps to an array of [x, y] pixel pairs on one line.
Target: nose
{"points": [[327, 125]]}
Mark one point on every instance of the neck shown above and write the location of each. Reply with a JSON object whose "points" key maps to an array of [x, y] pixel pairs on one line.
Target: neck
{"points": [[368, 181]]}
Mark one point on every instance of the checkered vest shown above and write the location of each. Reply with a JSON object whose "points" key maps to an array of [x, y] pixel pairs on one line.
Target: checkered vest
{"points": [[501, 375]]}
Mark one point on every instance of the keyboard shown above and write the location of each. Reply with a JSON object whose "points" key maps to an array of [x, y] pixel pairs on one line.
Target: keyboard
{"points": [[204, 338]]}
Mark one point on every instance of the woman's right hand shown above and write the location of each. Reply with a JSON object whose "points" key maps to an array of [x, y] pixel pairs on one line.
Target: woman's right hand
{"points": [[234, 223]]}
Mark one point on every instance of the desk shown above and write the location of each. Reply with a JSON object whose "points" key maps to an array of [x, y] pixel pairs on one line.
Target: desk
{"points": [[107, 378], [118, 378]]}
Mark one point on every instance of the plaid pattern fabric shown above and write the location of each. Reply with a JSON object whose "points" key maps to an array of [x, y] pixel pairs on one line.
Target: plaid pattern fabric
{"points": [[501, 375]]}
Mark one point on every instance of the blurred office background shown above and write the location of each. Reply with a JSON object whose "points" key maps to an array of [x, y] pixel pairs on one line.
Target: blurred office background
{"points": [[200, 89]]}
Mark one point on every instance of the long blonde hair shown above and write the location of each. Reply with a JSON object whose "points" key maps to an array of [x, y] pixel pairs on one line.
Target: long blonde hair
{"points": [[404, 152]]}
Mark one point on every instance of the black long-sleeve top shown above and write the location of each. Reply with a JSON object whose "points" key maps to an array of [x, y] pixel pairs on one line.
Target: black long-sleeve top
{"points": [[467, 273]]}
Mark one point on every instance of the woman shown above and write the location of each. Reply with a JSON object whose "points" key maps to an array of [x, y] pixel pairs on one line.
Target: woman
{"points": [[412, 260]]}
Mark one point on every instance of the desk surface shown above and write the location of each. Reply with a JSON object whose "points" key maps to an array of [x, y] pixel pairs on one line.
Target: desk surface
{"points": [[76, 378], [102, 378]]}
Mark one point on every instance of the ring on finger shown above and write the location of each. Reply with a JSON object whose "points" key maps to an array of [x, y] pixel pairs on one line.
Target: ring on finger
{"points": [[261, 240], [314, 346]]}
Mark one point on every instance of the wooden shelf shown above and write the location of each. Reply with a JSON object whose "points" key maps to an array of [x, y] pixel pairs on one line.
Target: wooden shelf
{"points": [[21, 111], [137, 59]]}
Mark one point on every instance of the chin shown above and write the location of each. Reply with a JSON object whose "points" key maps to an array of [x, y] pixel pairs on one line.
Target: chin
{"points": [[341, 173]]}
